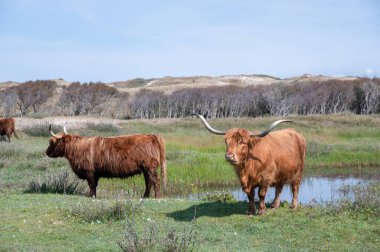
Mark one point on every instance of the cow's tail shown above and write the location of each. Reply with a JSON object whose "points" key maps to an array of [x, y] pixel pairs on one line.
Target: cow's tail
{"points": [[14, 128], [162, 162]]}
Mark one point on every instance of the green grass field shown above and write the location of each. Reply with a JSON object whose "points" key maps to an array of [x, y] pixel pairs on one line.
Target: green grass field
{"points": [[57, 221]]}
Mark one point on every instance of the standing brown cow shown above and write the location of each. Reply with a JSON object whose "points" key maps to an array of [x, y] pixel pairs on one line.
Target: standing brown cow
{"points": [[7, 127], [265, 160], [94, 157]]}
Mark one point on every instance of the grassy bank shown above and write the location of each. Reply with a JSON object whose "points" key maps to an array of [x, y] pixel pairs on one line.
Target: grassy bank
{"points": [[49, 222], [342, 144]]}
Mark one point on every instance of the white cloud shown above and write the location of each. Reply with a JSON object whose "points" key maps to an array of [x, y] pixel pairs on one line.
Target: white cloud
{"points": [[369, 72]]}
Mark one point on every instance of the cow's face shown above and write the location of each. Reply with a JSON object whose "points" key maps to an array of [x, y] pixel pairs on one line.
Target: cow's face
{"points": [[237, 146], [56, 146]]}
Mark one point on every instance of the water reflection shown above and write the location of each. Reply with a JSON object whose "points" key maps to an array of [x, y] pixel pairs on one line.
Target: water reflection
{"points": [[312, 189]]}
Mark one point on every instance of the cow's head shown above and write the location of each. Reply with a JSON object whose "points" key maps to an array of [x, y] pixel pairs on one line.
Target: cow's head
{"points": [[238, 140], [57, 144]]}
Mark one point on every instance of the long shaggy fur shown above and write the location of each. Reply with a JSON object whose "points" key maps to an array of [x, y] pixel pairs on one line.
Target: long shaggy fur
{"points": [[271, 161], [8, 127], [123, 156]]}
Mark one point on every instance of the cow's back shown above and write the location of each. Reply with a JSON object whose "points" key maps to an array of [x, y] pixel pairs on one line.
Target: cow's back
{"points": [[280, 155], [122, 156]]}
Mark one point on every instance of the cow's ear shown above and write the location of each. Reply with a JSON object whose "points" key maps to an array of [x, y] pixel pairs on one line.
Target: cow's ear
{"points": [[58, 140], [245, 137], [61, 139], [253, 140], [64, 138]]}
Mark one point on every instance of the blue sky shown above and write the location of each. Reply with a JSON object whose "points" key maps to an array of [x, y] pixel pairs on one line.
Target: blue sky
{"points": [[94, 40]]}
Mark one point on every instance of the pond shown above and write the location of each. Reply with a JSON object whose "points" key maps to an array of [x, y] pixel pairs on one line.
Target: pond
{"points": [[313, 189]]}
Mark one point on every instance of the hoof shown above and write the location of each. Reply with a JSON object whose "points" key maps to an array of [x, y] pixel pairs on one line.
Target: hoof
{"points": [[275, 206], [250, 213], [261, 211], [293, 206]]}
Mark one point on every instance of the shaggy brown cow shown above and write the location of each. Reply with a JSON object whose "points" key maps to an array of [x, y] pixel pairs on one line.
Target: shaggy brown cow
{"points": [[7, 127], [265, 160], [94, 157]]}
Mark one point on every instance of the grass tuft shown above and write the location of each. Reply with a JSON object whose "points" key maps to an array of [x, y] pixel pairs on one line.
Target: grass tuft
{"points": [[219, 197]]}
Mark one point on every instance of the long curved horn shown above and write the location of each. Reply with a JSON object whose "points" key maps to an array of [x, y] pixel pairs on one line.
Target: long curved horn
{"points": [[64, 130], [265, 132], [211, 129], [52, 133]]}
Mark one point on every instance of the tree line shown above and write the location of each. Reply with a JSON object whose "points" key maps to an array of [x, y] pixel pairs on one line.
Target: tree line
{"points": [[46, 98]]}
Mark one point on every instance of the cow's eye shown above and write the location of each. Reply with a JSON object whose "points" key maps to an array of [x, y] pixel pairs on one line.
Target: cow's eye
{"points": [[243, 146]]}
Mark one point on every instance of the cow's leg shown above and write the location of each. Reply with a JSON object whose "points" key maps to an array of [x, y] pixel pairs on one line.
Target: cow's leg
{"points": [[251, 203], [251, 199], [9, 137], [156, 183], [295, 189], [262, 192], [92, 181], [276, 201], [148, 183]]}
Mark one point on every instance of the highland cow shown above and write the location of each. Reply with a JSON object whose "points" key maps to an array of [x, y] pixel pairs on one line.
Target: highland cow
{"points": [[265, 160], [7, 127], [92, 158]]}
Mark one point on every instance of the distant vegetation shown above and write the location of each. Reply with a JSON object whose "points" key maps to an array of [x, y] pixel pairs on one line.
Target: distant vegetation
{"points": [[46, 98], [138, 82]]}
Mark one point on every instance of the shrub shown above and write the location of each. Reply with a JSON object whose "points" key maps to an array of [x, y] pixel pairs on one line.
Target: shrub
{"points": [[59, 182], [157, 237], [95, 210]]}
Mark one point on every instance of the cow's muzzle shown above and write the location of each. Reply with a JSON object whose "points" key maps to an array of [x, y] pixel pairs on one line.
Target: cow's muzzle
{"points": [[230, 157]]}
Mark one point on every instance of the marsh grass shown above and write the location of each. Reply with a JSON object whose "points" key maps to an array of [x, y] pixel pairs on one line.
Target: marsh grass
{"points": [[316, 149], [41, 130], [107, 129], [366, 199]]}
